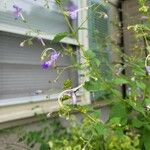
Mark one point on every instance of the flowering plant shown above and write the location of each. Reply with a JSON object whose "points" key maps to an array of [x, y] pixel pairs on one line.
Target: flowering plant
{"points": [[128, 126]]}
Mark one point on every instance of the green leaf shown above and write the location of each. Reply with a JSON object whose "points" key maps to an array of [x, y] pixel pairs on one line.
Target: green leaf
{"points": [[96, 114], [141, 85], [119, 132], [138, 70], [137, 123], [120, 81], [58, 37], [142, 2], [77, 147], [137, 106], [115, 121], [147, 101], [44, 147], [67, 84], [89, 54], [101, 129], [96, 61], [92, 86], [118, 111], [58, 1], [146, 139], [29, 42]]}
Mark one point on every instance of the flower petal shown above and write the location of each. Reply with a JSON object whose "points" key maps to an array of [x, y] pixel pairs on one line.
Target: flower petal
{"points": [[74, 98]]}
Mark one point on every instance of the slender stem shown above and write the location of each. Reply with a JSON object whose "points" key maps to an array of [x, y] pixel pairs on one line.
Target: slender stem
{"points": [[87, 142], [65, 68]]}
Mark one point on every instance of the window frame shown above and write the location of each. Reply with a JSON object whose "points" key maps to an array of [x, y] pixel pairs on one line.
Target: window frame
{"points": [[20, 108]]}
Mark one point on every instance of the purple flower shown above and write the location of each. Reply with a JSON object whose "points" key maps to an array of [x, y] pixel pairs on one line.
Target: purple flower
{"points": [[53, 58], [47, 64], [41, 40], [73, 96], [73, 15], [17, 11], [148, 69], [144, 18], [72, 10]]}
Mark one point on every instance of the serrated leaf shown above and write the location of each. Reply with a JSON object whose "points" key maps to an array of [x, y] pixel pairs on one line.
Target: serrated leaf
{"points": [[58, 37]]}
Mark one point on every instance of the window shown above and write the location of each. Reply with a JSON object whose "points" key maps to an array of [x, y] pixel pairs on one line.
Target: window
{"points": [[37, 16], [21, 76]]}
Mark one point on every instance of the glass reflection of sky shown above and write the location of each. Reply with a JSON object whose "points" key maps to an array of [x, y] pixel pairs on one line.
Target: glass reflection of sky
{"points": [[26, 5], [37, 16]]}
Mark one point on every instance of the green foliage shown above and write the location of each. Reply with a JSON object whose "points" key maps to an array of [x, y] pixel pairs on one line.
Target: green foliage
{"points": [[67, 84], [146, 138], [125, 142], [58, 37], [88, 133], [92, 85], [128, 126]]}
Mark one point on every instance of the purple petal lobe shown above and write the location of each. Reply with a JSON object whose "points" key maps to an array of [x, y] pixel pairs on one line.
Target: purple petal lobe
{"points": [[41, 40], [72, 10], [47, 64], [53, 58], [74, 98], [148, 69], [17, 11], [71, 6], [73, 15]]}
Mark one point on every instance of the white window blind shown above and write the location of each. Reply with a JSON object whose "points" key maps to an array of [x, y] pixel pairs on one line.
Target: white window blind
{"points": [[20, 72]]}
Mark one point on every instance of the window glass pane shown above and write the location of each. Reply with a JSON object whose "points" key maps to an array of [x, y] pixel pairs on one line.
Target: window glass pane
{"points": [[37, 16]]}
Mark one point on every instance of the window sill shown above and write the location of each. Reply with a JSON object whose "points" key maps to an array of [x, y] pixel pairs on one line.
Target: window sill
{"points": [[19, 114], [25, 100], [22, 111], [23, 31]]}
